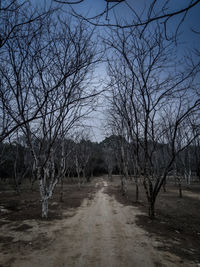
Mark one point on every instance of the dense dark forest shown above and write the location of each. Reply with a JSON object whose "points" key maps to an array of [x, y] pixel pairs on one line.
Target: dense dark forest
{"points": [[86, 159]]}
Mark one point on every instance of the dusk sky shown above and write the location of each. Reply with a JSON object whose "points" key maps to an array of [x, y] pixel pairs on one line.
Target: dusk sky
{"points": [[187, 40], [89, 8]]}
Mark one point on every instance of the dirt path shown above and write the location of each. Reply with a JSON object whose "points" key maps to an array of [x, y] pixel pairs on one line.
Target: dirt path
{"points": [[103, 233]]}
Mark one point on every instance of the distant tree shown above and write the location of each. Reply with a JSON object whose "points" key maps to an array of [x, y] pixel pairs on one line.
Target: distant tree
{"points": [[109, 146], [117, 125], [63, 155]]}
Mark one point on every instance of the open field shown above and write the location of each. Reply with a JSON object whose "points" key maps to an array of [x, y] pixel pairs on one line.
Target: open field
{"points": [[96, 226]]}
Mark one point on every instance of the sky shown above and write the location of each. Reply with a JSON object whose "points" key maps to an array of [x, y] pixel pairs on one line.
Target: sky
{"points": [[123, 11], [187, 40], [89, 8]]}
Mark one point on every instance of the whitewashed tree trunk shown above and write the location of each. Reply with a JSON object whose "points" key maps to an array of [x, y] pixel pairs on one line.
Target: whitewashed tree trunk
{"points": [[124, 177], [47, 183], [187, 175], [44, 206], [78, 172], [84, 176], [79, 180], [44, 199], [110, 174]]}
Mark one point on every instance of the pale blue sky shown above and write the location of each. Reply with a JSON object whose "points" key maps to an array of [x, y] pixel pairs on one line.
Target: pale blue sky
{"points": [[188, 40], [88, 8]]}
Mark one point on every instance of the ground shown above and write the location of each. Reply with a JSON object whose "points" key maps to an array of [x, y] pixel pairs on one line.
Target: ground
{"points": [[96, 226]]}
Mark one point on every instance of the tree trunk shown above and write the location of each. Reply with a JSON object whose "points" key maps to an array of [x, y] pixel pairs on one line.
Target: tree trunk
{"points": [[43, 194], [189, 178], [110, 175], [16, 178], [136, 192], [164, 186], [111, 178], [180, 189], [61, 189], [123, 186], [79, 181], [84, 177], [88, 179], [44, 206], [152, 209], [16, 183]]}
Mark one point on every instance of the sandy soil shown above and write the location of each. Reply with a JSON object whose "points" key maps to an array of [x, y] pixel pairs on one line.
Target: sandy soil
{"points": [[103, 233]]}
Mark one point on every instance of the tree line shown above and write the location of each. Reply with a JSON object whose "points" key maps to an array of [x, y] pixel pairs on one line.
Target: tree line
{"points": [[83, 160]]}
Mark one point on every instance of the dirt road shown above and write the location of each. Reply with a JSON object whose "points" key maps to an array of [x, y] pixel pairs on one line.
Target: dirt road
{"points": [[102, 233]]}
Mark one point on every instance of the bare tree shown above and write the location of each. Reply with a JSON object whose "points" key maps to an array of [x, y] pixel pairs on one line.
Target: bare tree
{"points": [[83, 154], [117, 125], [18, 73], [64, 150], [47, 79], [21, 166], [109, 154], [144, 86], [15, 15], [179, 133]]}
